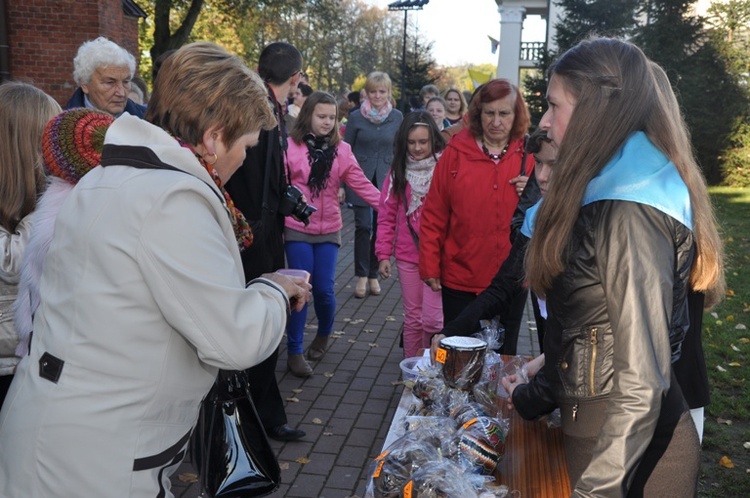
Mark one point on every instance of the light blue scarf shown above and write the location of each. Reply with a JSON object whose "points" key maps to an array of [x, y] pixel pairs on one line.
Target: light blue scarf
{"points": [[638, 172]]}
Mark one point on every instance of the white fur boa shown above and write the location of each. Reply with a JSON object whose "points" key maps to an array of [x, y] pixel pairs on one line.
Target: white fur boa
{"points": [[42, 231]]}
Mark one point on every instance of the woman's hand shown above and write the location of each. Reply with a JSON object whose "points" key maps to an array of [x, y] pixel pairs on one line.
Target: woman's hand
{"points": [[434, 344], [510, 383], [434, 283], [342, 195], [534, 365], [384, 268], [520, 183], [297, 289]]}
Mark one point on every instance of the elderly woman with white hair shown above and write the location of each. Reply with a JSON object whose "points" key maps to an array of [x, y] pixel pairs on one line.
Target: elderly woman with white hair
{"points": [[103, 71]]}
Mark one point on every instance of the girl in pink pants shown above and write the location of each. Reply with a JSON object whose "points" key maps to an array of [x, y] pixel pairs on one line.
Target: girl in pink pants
{"points": [[417, 147]]}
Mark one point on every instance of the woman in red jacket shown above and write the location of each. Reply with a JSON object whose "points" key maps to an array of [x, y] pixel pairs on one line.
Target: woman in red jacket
{"points": [[465, 231]]}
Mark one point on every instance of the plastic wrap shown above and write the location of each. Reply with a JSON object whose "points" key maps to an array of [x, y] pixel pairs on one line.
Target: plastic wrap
{"points": [[492, 332], [462, 360], [394, 467], [480, 444], [441, 480]]}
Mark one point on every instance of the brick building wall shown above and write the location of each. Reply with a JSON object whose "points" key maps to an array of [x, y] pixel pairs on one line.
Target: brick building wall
{"points": [[44, 36]]}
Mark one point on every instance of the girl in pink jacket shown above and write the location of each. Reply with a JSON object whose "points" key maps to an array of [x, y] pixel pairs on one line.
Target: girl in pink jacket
{"points": [[318, 163], [417, 147]]}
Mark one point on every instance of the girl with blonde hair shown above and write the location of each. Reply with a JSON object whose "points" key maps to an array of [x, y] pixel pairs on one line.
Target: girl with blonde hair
{"points": [[24, 111]]}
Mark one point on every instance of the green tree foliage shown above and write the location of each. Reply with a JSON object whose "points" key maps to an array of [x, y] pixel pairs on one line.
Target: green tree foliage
{"points": [[340, 40], [729, 29], [615, 18], [580, 18], [710, 97]]}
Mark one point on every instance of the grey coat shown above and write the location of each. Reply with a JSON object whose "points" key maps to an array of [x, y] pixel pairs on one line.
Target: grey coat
{"points": [[372, 146]]}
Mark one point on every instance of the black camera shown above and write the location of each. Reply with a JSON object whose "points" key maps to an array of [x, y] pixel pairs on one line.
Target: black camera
{"points": [[291, 204]]}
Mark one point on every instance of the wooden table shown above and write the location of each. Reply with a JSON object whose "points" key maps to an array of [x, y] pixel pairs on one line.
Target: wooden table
{"points": [[534, 461]]}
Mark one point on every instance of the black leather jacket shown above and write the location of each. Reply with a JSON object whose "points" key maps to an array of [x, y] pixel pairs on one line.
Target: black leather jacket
{"points": [[617, 318]]}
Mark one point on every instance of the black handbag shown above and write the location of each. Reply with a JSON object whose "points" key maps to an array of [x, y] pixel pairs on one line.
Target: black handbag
{"points": [[231, 451]]}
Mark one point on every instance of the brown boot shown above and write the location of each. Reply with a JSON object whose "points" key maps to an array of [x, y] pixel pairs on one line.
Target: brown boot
{"points": [[317, 348], [298, 366]]}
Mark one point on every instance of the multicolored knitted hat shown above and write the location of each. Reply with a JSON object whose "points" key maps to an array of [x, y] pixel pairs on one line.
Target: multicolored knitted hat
{"points": [[72, 143]]}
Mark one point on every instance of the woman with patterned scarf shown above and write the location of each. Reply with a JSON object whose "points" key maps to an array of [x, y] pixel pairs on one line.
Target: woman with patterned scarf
{"points": [[370, 131], [141, 295], [418, 148], [318, 163]]}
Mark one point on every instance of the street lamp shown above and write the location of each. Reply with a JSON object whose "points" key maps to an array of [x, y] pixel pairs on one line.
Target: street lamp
{"points": [[406, 6]]}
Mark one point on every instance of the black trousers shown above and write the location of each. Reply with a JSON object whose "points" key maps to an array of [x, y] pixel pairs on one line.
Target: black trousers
{"points": [[264, 389], [5, 381], [454, 301], [539, 322]]}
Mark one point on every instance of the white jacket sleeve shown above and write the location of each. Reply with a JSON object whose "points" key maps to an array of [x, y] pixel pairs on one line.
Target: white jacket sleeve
{"points": [[187, 260], [12, 246]]}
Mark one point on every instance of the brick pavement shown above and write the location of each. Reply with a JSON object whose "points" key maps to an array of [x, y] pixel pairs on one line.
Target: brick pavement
{"points": [[347, 406]]}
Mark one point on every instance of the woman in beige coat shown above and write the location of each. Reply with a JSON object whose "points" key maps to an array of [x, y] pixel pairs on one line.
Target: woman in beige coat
{"points": [[142, 299]]}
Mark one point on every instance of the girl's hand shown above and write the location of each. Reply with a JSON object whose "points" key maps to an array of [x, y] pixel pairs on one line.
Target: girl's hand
{"points": [[342, 195], [434, 343], [434, 283], [384, 268], [510, 383], [520, 184], [535, 365]]}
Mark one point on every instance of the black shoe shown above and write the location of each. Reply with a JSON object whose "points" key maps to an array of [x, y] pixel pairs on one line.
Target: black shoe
{"points": [[285, 433]]}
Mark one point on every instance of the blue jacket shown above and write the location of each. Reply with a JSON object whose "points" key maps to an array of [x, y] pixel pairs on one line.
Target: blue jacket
{"points": [[131, 107]]}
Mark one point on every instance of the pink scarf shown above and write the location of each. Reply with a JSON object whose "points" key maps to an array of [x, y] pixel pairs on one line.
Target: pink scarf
{"points": [[373, 115]]}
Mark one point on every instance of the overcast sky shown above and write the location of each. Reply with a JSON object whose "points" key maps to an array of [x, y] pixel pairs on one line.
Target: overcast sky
{"points": [[459, 29]]}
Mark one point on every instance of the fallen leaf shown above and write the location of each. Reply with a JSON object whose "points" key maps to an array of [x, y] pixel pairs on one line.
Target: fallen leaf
{"points": [[311, 326], [397, 383], [328, 433], [719, 322], [730, 318], [740, 326], [735, 364], [188, 477], [746, 445], [355, 322], [349, 319], [296, 391], [720, 368], [735, 348], [328, 374], [338, 333], [723, 421], [368, 331], [730, 292], [373, 345], [726, 462], [743, 340], [317, 421], [389, 318], [284, 465], [293, 399], [302, 460], [351, 341], [714, 314]]}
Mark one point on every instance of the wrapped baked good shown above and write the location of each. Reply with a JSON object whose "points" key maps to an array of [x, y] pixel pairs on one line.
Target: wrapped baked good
{"points": [[480, 444], [395, 466], [462, 360], [440, 480]]}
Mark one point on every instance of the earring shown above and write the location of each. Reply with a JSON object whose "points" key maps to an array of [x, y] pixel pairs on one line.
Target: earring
{"points": [[216, 158]]}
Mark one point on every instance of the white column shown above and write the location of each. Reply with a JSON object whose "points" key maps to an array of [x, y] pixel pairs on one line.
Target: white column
{"points": [[511, 24]]}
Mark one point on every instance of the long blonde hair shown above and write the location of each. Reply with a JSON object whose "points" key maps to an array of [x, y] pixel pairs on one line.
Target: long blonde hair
{"points": [[617, 92], [24, 112]]}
